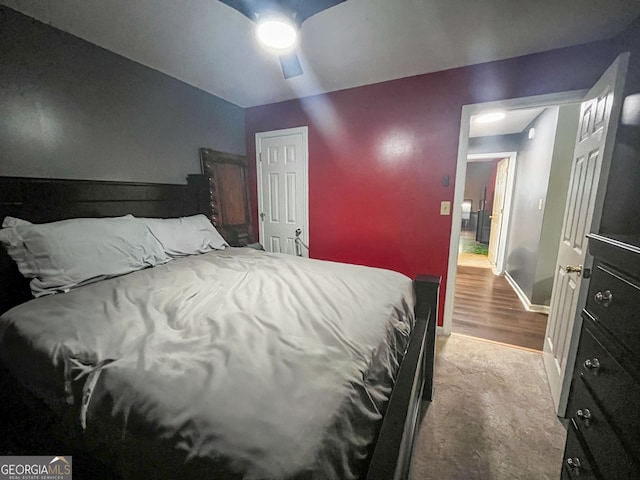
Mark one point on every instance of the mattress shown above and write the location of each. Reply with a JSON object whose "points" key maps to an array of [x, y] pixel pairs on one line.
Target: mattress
{"points": [[274, 366]]}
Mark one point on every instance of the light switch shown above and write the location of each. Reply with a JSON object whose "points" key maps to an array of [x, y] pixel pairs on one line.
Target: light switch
{"points": [[445, 208]]}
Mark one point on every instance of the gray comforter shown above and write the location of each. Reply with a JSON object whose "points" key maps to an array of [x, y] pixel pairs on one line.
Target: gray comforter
{"points": [[279, 365]]}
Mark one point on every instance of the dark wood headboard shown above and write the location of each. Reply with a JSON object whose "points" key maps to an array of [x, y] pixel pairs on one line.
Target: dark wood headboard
{"points": [[41, 200]]}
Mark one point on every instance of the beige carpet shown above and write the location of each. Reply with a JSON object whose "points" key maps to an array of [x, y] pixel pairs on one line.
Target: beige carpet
{"points": [[492, 416]]}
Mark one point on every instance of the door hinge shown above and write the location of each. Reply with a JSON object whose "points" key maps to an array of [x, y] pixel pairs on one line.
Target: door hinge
{"points": [[260, 156], [262, 216]]}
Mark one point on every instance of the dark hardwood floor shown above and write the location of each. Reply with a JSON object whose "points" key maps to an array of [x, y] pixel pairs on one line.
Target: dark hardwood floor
{"points": [[486, 306]]}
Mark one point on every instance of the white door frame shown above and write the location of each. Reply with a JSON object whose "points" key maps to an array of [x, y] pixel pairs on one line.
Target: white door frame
{"points": [[304, 130], [508, 194], [547, 100]]}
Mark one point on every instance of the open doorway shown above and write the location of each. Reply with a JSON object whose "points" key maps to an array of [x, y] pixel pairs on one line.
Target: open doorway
{"points": [[592, 138], [521, 161], [473, 248], [485, 210]]}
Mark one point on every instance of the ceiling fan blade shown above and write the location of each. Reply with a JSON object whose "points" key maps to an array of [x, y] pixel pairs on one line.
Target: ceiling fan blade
{"points": [[307, 8], [299, 9], [246, 8], [290, 65]]}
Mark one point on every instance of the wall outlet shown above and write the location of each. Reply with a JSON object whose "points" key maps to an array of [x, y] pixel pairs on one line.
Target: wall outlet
{"points": [[445, 208]]}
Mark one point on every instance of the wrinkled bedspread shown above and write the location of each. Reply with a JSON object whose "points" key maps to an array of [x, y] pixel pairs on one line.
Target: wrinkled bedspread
{"points": [[280, 365]]}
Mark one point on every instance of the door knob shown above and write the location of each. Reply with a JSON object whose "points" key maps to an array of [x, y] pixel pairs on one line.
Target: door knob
{"points": [[299, 243], [572, 269]]}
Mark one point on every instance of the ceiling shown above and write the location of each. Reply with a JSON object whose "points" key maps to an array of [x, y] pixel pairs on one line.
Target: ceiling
{"points": [[211, 46], [514, 121]]}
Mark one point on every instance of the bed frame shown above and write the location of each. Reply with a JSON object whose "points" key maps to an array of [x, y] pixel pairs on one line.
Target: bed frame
{"points": [[45, 200]]}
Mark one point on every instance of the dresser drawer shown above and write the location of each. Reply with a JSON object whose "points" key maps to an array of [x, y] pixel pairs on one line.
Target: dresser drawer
{"points": [[617, 392], [611, 458], [614, 301], [575, 463]]}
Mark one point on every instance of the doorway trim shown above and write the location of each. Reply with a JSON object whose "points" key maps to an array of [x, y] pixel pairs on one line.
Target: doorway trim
{"points": [[304, 131], [547, 100], [506, 215]]}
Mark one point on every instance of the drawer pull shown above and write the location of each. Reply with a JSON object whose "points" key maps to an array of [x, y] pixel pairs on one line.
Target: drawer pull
{"points": [[592, 363], [585, 415], [604, 298], [574, 462]]}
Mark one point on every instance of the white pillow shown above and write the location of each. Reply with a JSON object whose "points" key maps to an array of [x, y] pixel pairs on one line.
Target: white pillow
{"points": [[185, 235], [14, 222], [61, 255]]}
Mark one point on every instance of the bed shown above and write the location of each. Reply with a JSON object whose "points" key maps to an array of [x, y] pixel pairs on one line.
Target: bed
{"points": [[159, 403]]}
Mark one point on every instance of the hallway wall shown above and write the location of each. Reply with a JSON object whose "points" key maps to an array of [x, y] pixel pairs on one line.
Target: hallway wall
{"points": [[557, 191], [539, 196], [533, 167]]}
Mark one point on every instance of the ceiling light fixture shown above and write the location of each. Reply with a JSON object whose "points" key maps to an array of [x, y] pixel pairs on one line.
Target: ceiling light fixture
{"points": [[277, 33], [490, 117], [280, 37]]}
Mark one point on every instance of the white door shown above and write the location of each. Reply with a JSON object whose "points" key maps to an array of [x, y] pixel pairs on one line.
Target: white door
{"points": [[282, 160], [499, 195], [598, 122]]}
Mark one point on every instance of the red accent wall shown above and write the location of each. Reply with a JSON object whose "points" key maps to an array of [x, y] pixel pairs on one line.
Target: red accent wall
{"points": [[377, 153]]}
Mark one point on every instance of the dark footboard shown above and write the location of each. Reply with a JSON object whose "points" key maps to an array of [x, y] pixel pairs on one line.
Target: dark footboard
{"points": [[391, 457]]}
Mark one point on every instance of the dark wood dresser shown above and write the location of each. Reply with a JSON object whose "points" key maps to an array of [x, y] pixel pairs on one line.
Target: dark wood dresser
{"points": [[604, 403], [603, 439]]}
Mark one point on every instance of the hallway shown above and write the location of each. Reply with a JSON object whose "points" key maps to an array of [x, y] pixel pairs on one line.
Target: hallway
{"points": [[486, 306]]}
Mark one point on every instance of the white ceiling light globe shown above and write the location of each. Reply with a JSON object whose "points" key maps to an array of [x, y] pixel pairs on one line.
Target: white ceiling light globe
{"points": [[490, 117], [277, 34]]}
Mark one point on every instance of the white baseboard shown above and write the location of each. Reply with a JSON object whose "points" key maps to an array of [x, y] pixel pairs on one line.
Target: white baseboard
{"points": [[528, 306], [540, 309]]}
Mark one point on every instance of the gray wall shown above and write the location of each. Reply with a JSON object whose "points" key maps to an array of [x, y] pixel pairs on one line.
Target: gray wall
{"points": [[533, 166], [70, 109], [497, 143], [557, 191]]}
